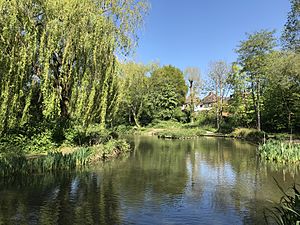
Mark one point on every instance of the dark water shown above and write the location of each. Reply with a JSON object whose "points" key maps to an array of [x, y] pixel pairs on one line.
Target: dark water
{"points": [[204, 181]]}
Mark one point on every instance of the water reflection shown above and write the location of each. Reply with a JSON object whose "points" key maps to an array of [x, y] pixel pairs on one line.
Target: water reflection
{"points": [[203, 181]]}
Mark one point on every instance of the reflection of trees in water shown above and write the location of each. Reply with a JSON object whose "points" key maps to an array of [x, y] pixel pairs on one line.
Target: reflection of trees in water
{"points": [[68, 200], [232, 176], [156, 170], [224, 174]]}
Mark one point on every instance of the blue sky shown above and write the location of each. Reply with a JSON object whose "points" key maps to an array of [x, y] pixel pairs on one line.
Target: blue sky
{"points": [[195, 32]]}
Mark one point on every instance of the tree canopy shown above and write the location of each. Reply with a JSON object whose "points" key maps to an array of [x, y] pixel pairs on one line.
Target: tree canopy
{"points": [[168, 91], [252, 55], [59, 57], [291, 34]]}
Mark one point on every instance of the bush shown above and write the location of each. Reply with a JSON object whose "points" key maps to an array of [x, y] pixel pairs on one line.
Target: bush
{"points": [[180, 116], [41, 143], [226, 128], [123, 129], [18, 143], [92, 135], [249, 134], [205, 118], [166, 124]]}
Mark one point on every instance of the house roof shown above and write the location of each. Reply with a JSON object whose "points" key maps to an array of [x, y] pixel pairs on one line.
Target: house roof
{"points": [[196, 100], [210, 98]]}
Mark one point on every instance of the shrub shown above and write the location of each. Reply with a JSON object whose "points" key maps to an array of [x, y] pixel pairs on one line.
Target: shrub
{"points": [[40, 143], [205, 118], [123, 129], [166, 124], [92, 135], [249, 134], [226, 128], [18, 143], [180, 116]]}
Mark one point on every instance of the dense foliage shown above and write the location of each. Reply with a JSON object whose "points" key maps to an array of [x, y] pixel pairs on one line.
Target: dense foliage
{"points": [[266, 86], [151, 93], [291, 35], [59, 61], [61, 80]]}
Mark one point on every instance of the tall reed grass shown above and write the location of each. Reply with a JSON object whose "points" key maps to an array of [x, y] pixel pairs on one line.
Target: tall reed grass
{"points": [[287, 212], [11, 164], [280, 151]]}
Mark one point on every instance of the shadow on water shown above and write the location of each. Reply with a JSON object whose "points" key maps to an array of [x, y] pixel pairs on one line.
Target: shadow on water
{"points": [[202, 181]]}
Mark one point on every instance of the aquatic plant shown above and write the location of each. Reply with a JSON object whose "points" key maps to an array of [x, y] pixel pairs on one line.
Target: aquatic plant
{"points": [[11, 164], [287, 212], [280, 151]]}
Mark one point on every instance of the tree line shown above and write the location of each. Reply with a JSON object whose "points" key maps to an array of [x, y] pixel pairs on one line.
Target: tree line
{"points": [[263, 84], [59, 65]]}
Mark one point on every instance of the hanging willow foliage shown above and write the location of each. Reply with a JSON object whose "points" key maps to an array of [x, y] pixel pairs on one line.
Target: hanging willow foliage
{"points": [[59, 57]]}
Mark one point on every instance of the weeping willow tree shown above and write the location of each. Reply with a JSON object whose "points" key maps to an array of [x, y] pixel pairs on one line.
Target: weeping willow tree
{"points": [[59, 58]]}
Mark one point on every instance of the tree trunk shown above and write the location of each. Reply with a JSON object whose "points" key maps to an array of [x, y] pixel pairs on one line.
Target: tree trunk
{"points": [[255, 105], [290, 126], [217, 110], [258, 106], [221, 103], [135, 118], [192, 101], [64, 105]]}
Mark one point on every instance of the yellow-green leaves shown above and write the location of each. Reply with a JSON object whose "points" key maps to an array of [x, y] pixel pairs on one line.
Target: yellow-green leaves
{"points": [[58, 57]]}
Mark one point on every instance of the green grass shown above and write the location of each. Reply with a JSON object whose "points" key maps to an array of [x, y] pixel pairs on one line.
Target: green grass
{"points": [[176, 130], [57, 161], [39, 152], [166, 124], [280, 151], [181, 133]]}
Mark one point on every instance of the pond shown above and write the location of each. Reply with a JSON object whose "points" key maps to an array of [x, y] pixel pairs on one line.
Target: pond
{"points": [[202, 181]]}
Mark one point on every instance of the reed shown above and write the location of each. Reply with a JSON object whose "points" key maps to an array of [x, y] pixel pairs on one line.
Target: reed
{"points": [[287, 211], [280, 151], [57, 161]]}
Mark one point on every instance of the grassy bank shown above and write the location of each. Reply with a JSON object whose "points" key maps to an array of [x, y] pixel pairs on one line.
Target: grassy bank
{"points": [[175, 130], [58, 160], [42, 152]]}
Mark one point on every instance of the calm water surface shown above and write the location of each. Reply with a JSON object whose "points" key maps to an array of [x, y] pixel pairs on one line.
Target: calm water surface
{"points": [[203, 181]]}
